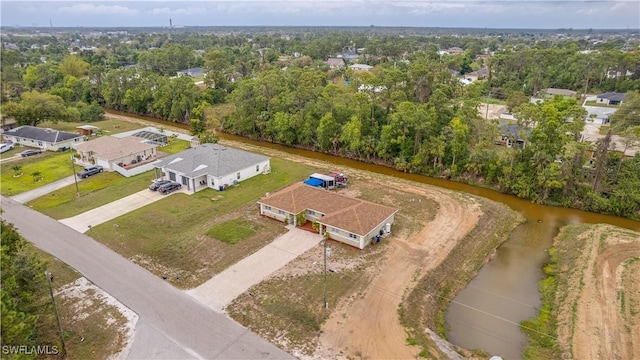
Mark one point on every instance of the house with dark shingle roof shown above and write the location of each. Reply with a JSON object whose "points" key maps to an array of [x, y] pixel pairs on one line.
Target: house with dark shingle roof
{"points": [[45, 139], [349, 220], [610, 98], [211, 166]]}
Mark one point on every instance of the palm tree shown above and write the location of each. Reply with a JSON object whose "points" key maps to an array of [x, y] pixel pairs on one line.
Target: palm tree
{"points": [[37, 175], [17, 169]]}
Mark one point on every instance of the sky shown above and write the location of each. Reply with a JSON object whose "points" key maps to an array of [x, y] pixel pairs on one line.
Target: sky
{"points": [[536, 14]]}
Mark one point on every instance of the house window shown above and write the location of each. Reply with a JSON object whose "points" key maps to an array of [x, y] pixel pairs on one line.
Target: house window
{"points": [[185, 180], [257, 168], [40, 143], [281, 212], [267, 207], [335, 230], [311, 212], [238, 176], [353, 236], [172, 176]]}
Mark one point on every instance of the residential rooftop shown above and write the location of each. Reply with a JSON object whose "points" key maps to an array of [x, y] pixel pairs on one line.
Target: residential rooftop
{"points": [[212, 159], [350, 214]]}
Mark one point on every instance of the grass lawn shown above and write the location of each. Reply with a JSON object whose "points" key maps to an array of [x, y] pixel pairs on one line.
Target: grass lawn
{"points": [[52, 166], [493, 101], [176, 146], [109, 126], [232, 231], [169, 237], [95, 191]]}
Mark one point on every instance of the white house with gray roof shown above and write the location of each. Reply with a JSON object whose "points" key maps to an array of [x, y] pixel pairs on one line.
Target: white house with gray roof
{"points": [[211, 166], [45, 139]]}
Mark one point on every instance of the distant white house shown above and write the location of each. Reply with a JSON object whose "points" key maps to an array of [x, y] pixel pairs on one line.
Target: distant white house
{"points": [[361, 67], [193, 72], [335, 63], [610, 98], [45, 139], [371, 88], [211, 166]]}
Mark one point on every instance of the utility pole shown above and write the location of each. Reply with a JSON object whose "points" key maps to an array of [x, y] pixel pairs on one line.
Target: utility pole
{"points": [[326, 304], [55, 309], [75, 177]]}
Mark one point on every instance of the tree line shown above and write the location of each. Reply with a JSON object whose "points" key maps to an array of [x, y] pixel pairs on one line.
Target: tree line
{"points": [[409, 112]]}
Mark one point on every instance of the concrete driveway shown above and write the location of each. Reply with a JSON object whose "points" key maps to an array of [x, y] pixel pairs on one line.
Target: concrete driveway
{"points": [[27, 196], [112, 210], [229, 284], [166, 313]]}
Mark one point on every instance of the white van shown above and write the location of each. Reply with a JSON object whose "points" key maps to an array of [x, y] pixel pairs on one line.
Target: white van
{"points": [[5, 147]]}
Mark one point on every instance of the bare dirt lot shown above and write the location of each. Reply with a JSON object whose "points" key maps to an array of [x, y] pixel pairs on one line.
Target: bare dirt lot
{"points": [[599, 308], [493, 112]]}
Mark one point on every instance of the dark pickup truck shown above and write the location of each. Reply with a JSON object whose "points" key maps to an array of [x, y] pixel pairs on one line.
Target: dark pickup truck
{"points": [[90, 171]]}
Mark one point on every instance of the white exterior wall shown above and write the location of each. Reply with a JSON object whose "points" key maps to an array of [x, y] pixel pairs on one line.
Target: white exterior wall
{"points": [[43, 144], [381, 226], [274, 213], [246, 173], [104, 163], [343, 237]]}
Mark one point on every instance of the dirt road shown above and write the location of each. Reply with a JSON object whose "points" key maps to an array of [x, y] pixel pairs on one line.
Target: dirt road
{"points": [[371, 328], [605, 293]]}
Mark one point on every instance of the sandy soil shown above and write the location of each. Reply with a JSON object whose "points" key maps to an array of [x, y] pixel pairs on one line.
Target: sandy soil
{"points": [[606, 324], [368, 326], [371, 328], [90, 305], [494, 111]]}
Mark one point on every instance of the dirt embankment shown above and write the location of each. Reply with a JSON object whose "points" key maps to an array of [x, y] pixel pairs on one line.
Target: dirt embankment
{"points": [[598, 293]]}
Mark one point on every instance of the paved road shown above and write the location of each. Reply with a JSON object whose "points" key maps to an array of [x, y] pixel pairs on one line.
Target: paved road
{"points": [[181, 319], [27, 196], [112, 210], [229, 284]]}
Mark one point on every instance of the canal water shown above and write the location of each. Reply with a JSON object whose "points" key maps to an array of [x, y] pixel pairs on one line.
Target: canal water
{"points": [[486, 314]]}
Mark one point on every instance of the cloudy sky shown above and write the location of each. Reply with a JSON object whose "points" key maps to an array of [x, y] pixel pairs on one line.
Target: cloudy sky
{"points": [[603, 14]]}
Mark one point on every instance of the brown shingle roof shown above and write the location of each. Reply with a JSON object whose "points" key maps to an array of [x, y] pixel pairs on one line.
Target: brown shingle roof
{"points": [[353, 215], [111, 148]]}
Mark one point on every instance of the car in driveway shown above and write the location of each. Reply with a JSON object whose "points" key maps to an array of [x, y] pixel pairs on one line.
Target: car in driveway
{"points": [[30, 152], [156, 184], [92, 170], [169, 187], [4, 147]]}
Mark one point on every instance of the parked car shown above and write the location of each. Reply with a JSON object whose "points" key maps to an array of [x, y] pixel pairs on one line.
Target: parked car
{"points": [[169, 187], [30, 152], [5, 147], [90, 171], [157, 184]]}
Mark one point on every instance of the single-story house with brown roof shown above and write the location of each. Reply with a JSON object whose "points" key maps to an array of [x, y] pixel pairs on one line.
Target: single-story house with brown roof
{"points": [[335, 63], [108, 151], [349, 220]]}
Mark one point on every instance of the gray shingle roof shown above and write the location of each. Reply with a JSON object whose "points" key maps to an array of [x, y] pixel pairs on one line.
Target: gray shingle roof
{"points": [[612, 96], [40, 134], [212, 159]]}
